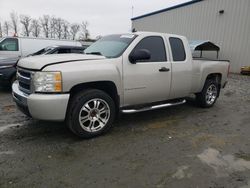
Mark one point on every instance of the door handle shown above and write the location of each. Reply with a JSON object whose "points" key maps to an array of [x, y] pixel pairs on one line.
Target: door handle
{"points": [[164, 69]]}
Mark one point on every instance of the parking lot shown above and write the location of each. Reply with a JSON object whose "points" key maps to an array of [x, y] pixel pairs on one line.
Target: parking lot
{"points": [[182, 146]]}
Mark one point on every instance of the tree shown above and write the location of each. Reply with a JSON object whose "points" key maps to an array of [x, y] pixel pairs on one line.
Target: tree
{"points": [[45, 20], [74, 29], [6, 27], [1, 31], [26, 21], [46, 26], [59, 27], [14, 22], [53, 22], [65, 29], [36, 28], [85, 31]]}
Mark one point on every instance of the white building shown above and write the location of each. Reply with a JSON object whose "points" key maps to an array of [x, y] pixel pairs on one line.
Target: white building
{"points": [[224, 22]]}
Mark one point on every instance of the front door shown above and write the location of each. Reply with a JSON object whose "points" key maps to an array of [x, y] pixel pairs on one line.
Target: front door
{"points": [[147, 81]]}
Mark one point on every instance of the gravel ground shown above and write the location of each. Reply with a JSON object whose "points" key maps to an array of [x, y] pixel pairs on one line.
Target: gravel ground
{"points": [[182, 146]]}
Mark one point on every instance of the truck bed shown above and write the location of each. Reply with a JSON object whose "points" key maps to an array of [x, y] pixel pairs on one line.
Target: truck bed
{"points": [[208, 59]]}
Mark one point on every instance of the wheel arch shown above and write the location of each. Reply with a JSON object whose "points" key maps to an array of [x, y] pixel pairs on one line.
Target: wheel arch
{"points": [[108, 87], [217, 77]]}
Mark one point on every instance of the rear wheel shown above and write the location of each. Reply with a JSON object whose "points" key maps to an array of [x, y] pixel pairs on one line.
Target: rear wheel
{"points": [[91, 113], [209, 94]]}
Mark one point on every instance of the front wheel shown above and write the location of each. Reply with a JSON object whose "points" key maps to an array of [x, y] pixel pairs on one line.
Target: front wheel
{"points": [[91, 113], [209, 94]]}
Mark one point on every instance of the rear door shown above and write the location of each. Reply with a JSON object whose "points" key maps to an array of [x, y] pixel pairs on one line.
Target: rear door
{"points": [[181, 68], [147, 81]]}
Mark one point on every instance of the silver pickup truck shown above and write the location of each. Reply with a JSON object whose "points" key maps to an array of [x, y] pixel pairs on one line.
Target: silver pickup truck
{"points": [[125, 73]]}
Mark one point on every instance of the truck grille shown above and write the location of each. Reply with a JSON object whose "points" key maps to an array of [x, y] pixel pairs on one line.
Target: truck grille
{"points": [[24, 79]]}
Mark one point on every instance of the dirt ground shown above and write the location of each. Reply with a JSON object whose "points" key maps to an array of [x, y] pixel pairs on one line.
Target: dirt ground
{"points": [[182, 146]]}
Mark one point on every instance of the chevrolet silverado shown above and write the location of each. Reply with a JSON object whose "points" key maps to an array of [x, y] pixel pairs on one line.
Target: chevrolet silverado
{"points": [[125, 73]]}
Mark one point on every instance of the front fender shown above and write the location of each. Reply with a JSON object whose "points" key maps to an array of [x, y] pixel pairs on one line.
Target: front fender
{"points": [[75, 73]]}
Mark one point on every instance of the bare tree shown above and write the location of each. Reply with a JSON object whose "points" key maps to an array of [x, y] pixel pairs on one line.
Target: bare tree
{"points": [[26, 21], [36, 28], [65, 29], [1, 31], [14, 22], [85, 31], [53, 22], [59, 28], [45, 25], [6, 28], [74, 29]]}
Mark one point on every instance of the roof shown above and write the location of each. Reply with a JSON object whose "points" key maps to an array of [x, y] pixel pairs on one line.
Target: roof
{"points": [[40, 38], [203, 45], [65, 46], [166, 9]]}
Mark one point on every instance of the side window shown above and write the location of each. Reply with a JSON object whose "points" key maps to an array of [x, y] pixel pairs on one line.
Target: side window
{"points": [[63, 51], [77, 51], [155, 45], [53, 52], [9, 44], [178, 50]]}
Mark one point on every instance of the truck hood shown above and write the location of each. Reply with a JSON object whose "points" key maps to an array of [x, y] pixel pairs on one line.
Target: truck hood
{"points": [[39, 62]]}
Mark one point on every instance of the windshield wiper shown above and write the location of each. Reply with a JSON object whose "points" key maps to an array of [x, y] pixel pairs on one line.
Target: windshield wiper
{"points": [[95, 53]]}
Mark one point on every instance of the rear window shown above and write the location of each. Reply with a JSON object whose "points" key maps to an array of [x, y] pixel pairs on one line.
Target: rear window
{"points": [[178, 50]]}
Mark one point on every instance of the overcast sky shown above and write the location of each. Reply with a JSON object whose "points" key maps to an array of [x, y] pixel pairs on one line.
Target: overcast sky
{"points": [[104, 16]]}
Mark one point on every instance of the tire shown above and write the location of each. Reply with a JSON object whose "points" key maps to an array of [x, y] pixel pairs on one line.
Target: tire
{"points": [[209, 94], [90, 113]]}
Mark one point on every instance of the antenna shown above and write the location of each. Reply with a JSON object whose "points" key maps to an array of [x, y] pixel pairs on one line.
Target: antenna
{"points": [[132, 11]]}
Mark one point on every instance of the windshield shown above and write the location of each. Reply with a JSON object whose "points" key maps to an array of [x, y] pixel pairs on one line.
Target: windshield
{"points": [[111, 46]]}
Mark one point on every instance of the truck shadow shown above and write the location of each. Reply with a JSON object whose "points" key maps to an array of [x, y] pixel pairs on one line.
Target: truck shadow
{"points": [[33, 130], [5, 89]]}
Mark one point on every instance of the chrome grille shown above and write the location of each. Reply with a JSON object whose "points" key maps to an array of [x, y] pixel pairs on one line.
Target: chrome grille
{"points": [[24, 80]]}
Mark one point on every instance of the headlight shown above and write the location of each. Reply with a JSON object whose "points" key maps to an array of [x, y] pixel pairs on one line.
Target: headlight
{"points": [[47, 81]]}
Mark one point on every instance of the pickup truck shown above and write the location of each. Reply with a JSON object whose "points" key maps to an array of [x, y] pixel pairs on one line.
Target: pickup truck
{"points": [[125, 73]]}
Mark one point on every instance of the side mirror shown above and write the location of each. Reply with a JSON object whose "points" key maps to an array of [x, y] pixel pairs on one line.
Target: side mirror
{"points": [[139, 55]]}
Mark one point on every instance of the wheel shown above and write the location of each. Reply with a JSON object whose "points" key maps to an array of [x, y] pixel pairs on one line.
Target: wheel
{"points": [[90, 113], [209, 94]]}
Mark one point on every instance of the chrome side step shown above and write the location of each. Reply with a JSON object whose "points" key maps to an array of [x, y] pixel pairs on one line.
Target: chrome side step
{"points": [[130, 111]]}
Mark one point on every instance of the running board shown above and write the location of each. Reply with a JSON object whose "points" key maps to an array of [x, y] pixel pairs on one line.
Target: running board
{"points": [[130, 111]]}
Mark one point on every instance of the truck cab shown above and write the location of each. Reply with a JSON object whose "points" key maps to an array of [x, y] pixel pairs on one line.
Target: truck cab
{"points": [[160, 77]]}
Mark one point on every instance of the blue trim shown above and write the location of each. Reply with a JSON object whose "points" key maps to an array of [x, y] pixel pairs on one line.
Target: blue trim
{"points": [[166, 9]]}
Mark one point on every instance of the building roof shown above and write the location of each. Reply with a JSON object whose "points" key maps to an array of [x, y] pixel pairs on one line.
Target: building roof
{"points": [[166, 9]]}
